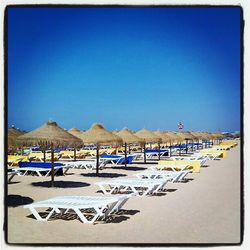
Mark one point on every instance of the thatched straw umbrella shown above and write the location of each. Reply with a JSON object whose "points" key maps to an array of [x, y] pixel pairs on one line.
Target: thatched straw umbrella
{"points": [[50, 135], [186, 136], [148, 137], [208, 137], [174, 136], [128, 138], [98, 135], [217, 137], [164, 138], [199, 136], [77, 133], [13, 133]]}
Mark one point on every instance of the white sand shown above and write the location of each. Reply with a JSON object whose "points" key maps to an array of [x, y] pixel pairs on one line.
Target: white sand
{"points": [[203, 210]]}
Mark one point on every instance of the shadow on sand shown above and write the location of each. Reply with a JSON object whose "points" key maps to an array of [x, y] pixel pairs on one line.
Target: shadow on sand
{"points": [[13, 182], [186, 180], [114, 218], [205, 166], [13, 200], [104, 175], [130, 168], [61, 184]]}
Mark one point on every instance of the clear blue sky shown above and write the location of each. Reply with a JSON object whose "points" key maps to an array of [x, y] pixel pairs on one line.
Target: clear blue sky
{"points": [[124, 67]]}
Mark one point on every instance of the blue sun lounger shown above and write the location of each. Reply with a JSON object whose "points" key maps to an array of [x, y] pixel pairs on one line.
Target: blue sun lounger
{"points": [[39, 167], [118, 159]]}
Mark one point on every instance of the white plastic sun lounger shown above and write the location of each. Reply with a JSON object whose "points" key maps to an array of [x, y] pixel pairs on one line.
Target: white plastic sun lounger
{"points": [[175, 168], [85, 164], [101, 207], [179, 171], [37, 171], [172, 176], [139, 187]]}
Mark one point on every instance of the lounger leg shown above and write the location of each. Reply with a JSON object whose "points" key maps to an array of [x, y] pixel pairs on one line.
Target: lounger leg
{"points": [[38, 173], [84, 219], [81, 216], [11, 177], [37, 215], [103, 189], [147, 191], [66, 170], [113, 189]]}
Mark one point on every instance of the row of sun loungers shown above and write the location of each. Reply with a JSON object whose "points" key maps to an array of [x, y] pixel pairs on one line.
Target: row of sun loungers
{"points": [[89, 209]]}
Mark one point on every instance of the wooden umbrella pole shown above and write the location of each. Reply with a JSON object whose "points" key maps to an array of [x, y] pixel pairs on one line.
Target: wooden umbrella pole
{"points": [[44, 155], [97, 159], [179, 148], [170, 148], [159, 150], [144, 152], [125, 155], [186, 146], [74, 154], [52, 167], [192, 145]]}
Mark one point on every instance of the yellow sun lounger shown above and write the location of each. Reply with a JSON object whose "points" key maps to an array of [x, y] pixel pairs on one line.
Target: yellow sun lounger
{"points": [[14, 159], [39, 156], [229, 143], [220, 153], [195, 165]]}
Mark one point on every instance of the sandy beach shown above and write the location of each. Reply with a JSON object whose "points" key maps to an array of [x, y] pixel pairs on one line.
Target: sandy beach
{"points": [[204, 209]]}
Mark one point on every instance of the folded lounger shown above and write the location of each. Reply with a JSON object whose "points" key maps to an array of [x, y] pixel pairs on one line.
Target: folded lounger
{"points": [[136, 186], [100, 206]]}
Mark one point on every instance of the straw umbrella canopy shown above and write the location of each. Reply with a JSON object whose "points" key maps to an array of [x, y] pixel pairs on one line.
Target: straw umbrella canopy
{"points": [[98, 135], [217, 136], [186, 135], [164, 137], [13, 133], [173, 136], [148, 137], [128, 138], [76, 132], [49, 135], [197, 135], [201, 135]]}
